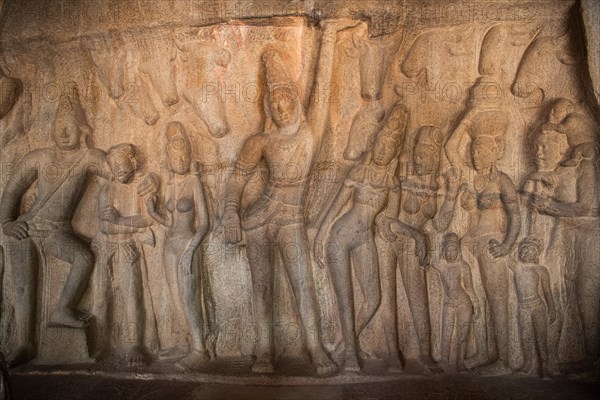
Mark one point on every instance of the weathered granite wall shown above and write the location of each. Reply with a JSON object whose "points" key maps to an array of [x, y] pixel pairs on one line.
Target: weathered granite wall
{"points": [[191, 181]]}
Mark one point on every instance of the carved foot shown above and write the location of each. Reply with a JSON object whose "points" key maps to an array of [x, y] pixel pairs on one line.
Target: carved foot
{"points": [[496, 369], [532, 371], [263, 364], [363, 355], [477, 361], [21, 355], [67, 318], [462, 367], [173, 353], [394, 364], [430, 366], [445, 367], [351, 362], [322, 363], [134, 357], [528, 368], [547, 373], [194, 360], [211, 344]]}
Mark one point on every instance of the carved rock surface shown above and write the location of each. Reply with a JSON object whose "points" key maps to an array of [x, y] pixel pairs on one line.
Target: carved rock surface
{"points": [[307, 189]]}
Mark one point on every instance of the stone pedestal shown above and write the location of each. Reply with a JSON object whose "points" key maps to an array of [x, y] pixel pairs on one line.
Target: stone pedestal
{"points": [[59, 346]]}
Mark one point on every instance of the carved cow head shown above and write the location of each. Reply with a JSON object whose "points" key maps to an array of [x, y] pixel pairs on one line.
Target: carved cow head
{"points": [[202, 88], [434, 48], [110, 58], [158, 62], [375, 57], [547, 61], [498, 44]]}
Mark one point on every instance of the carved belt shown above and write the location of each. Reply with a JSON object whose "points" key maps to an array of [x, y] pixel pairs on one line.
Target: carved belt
{"points": [[39, 227]]}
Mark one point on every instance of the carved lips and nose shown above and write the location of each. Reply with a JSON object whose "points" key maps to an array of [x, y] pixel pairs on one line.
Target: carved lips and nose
{"points": [[283, 111]]}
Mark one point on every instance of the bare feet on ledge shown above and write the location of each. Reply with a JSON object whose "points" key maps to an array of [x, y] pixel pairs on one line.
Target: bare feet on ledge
{"points": [[497, 368], [321, 361], [196, 359], [351, 362], [430, 366], [263, 364], [134, 357], [173, 353], [394, 364]]}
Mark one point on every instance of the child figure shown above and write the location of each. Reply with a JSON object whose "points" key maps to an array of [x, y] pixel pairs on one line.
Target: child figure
{"points": [[580, 130], [118, 276], [460, 303], [536, 306]]}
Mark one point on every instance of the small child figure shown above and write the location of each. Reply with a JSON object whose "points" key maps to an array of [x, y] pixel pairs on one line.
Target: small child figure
{"points": [[460, 304], [580, 130], [119, 304], [536, 306]]}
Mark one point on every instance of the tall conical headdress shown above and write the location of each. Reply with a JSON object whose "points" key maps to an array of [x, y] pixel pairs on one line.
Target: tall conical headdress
{"points": [[492, 124], [276, 73], [69, 110], [430, 136], [177, 136], [395, 124]]}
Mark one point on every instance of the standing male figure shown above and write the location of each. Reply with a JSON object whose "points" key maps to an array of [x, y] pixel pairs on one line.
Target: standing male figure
{"points": [[276, 222], [61, 172]]}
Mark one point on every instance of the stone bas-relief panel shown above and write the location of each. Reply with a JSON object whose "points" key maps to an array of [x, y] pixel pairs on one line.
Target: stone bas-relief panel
{"points": [[418, 199]]}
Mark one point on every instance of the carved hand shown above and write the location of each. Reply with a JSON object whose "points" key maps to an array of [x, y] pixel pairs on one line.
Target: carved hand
{"points": [[452, 178], [149, 184], [110, 214], [422, 249], [16, 229], [233, 227], [540, 203], [384, 227], [468, 201], [497, 249]]}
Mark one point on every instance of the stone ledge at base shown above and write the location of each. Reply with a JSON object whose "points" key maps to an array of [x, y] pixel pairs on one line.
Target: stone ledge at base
{"points": [[64, 346], [80, 384]]}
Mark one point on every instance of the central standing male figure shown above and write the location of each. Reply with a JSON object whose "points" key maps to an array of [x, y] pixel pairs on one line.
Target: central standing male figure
{"points": [[275, 222]]}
